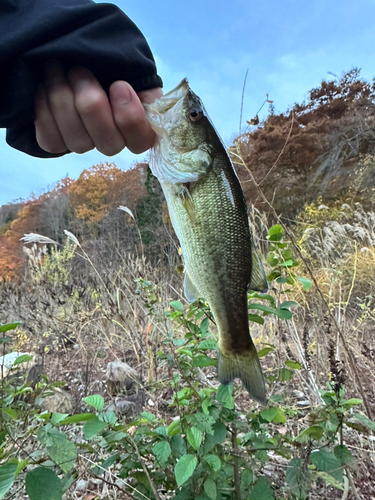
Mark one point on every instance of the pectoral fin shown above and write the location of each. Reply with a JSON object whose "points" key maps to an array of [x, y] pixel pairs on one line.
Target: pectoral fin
{"points": [[188, 204], [190, 290]]}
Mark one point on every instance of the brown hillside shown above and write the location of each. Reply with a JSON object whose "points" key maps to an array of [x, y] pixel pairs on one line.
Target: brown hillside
{"points": [[328, 136]]}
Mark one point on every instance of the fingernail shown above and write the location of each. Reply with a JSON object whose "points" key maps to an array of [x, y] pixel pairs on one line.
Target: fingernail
{"points": [[120, 93]]}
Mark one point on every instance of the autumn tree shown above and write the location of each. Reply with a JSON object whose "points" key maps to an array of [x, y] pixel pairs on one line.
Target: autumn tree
{"points": [[321, 142]]}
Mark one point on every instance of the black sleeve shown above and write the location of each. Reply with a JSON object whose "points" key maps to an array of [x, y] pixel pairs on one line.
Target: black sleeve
{"points": [[99, 37]]}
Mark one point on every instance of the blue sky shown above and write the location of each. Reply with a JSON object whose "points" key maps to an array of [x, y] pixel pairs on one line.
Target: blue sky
{"points": [[288, 46]]}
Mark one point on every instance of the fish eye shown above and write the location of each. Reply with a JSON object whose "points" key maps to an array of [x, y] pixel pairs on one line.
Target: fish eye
{"points": [[195, 115]]}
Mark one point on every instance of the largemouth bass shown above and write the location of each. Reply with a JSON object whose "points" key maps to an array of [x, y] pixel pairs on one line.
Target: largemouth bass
{"points": [[209, 215]]}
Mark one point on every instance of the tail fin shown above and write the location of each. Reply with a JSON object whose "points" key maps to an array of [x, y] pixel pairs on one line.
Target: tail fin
{"points": [[245, 366]]}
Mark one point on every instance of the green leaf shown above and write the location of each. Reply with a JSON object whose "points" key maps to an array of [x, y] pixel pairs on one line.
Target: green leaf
{"points": [[261, 490], [287, 263], [208, 344], [162, 451], [342, 454], [262, 296], [280, 417], [206, 403], [268, 414], [80, 417], [61, 451], [194, 437], [281, 281], [10, 413], [218, 437], [352, 402], [275, 229], [184, 468], [256, 319], [162, 431], [7, 474], [43, 484], [106, 464], [109, 417], [281, 313], [298, 478], [329, 479], [306, 283], [21, 465], [57, 417], [326, 461], [202, 360], [294, 365], [25, 358], [174, 428], [3, 435], [262, 307], [96, 401], [210, 488], [178, 446], [364, 420], [9, 326], [93, 427], [285, 374], [247, 477], [273, 415], [204, 422], [150, 417], [313, 432], [287, 254], [5, 340], [213, 461], [287, 304], [224, 395], [204, 326], [177, 305], [265, 351]]}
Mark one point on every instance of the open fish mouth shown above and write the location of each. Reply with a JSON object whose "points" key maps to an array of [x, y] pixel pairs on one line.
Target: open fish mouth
{"points": [[167, 101], [156, 111]]}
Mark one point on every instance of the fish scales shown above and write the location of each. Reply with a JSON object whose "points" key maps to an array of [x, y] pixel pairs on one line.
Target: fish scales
{"points": [[209, 215]]}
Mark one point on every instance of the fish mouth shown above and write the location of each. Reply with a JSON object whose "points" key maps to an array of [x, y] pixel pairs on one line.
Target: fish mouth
{"points": [[167, 101], [156, 110]]}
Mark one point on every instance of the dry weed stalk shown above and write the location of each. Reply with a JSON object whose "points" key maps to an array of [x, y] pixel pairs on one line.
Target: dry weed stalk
{"points": [[310, 272]]}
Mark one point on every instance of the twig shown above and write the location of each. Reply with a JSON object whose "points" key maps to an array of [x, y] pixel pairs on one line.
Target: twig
{"points": [[352, 485], [242, 99], [110, 483], [281, 152], [236, 469], [154, 490]]}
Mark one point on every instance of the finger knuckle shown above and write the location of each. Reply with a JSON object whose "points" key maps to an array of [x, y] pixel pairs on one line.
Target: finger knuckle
{"points": [[90, 102]]}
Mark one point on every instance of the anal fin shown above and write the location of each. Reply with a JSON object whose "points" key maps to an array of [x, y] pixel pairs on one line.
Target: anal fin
{"points": [[190, 290]]}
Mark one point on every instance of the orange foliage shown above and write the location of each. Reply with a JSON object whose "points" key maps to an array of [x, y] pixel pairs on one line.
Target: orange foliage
{"points": [[103, 186], [97, 189], [10, 259]]}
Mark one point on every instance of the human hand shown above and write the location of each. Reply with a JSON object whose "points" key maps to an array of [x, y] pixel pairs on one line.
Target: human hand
{"points": [[73, 113]]}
